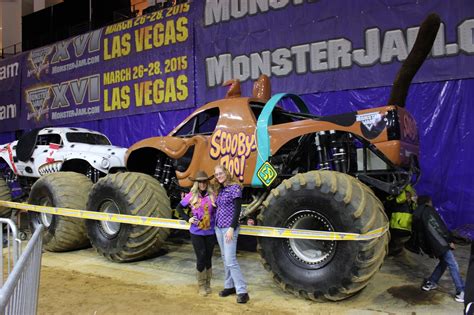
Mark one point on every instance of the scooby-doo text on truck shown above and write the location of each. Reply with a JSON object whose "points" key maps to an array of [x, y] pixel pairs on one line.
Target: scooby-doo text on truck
{"points": [[298, 170]]}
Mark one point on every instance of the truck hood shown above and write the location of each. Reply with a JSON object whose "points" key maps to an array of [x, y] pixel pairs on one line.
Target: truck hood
{"points": [[113, 153], [94, 148]]}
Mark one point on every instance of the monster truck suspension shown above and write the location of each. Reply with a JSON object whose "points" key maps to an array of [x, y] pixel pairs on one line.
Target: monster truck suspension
{"points": [[332, 150], [337, 151], [390, 180], [325, 150], [165, 174], [93, 174]]}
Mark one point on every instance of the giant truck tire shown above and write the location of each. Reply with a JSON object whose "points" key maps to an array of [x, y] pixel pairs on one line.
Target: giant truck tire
{"points": [[62, 190], [5, 195], [327, 201], [132, 194]]}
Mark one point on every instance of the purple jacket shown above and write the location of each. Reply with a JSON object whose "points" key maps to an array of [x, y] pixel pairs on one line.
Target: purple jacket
{"points": [[225, 205], [204, 212]]}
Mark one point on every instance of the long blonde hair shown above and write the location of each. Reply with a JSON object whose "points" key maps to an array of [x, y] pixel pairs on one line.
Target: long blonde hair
{"points": [[195, 194], [229, 178]]}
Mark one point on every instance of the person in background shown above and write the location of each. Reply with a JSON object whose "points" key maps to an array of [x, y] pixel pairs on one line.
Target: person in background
{"points": [[229, 204], [202, 202], [469, 296], [400, 211], [431, 236]]}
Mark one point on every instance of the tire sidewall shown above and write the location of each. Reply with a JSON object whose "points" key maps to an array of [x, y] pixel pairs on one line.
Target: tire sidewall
{"points": [[111, 245], [40, 190], [4, 211], [277, 252]]}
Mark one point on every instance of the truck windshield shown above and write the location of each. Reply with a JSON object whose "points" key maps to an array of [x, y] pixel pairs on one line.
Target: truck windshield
{"points": [[88, 138]]}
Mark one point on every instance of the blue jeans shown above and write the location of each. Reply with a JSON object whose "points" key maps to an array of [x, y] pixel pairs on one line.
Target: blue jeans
{"points": [[448, 260], [233, 275]]}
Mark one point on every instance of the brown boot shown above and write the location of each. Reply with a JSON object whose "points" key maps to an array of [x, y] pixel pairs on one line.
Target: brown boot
{"points": [[208, 280], [201, 278]]}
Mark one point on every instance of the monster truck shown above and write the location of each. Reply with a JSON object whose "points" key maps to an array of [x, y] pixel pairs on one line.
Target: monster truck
{"points": [[57, 166], [299, 171]]}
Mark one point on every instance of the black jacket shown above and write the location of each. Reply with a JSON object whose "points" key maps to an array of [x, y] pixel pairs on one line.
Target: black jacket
{"points": [[429, 232]]}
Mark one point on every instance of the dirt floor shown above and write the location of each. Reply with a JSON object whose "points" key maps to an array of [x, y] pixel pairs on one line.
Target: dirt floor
{"points": [[82, 282], [71, 292]]}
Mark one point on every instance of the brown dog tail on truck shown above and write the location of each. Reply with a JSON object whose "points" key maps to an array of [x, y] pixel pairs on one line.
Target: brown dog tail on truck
{"points": [[422, 47]]}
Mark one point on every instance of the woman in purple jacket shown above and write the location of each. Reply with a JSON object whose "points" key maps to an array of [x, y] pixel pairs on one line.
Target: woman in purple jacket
{"points": [[202, 202], [229, 203]]}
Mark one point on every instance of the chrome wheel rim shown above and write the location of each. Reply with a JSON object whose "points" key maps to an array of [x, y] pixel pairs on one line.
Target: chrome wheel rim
{"points": [[111, 229], [314, 253], [46, 218]]}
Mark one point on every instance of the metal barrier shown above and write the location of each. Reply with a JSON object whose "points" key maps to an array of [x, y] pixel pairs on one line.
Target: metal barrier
{"points": [[19, 295], [9, 239], [11, 50]]}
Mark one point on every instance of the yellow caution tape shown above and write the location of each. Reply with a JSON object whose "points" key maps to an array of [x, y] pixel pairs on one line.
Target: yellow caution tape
{"points": [[262, 231]]}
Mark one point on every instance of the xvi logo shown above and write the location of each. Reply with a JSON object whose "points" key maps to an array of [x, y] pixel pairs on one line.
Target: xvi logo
{"points": [[37, 98], [38, 60], [82, 44], [85, 43]]}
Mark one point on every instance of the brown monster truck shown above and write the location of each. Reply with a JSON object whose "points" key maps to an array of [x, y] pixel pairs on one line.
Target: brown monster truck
{"points": [[298, 171]]}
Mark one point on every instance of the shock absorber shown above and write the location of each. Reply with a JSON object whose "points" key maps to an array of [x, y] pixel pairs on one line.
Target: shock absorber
{"points": [[339, 154], [93, 174], [334, 150], [320, 141], [158, 169], [342, 158], [167, 172]]}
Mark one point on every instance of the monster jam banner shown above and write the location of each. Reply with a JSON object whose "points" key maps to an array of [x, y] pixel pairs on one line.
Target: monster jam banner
{"points": [[309, 46], [10, 79], [137, 66]]}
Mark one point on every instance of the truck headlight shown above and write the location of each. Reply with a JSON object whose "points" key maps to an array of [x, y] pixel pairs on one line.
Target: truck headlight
{"points": [[105, 163]]}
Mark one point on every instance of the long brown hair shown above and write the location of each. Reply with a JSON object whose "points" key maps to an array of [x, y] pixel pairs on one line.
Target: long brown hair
{"points": [[195, 194]]}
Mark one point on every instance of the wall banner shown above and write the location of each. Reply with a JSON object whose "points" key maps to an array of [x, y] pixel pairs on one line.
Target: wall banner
{"points": [[10, 80], [133, 67], [309, 46]]}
